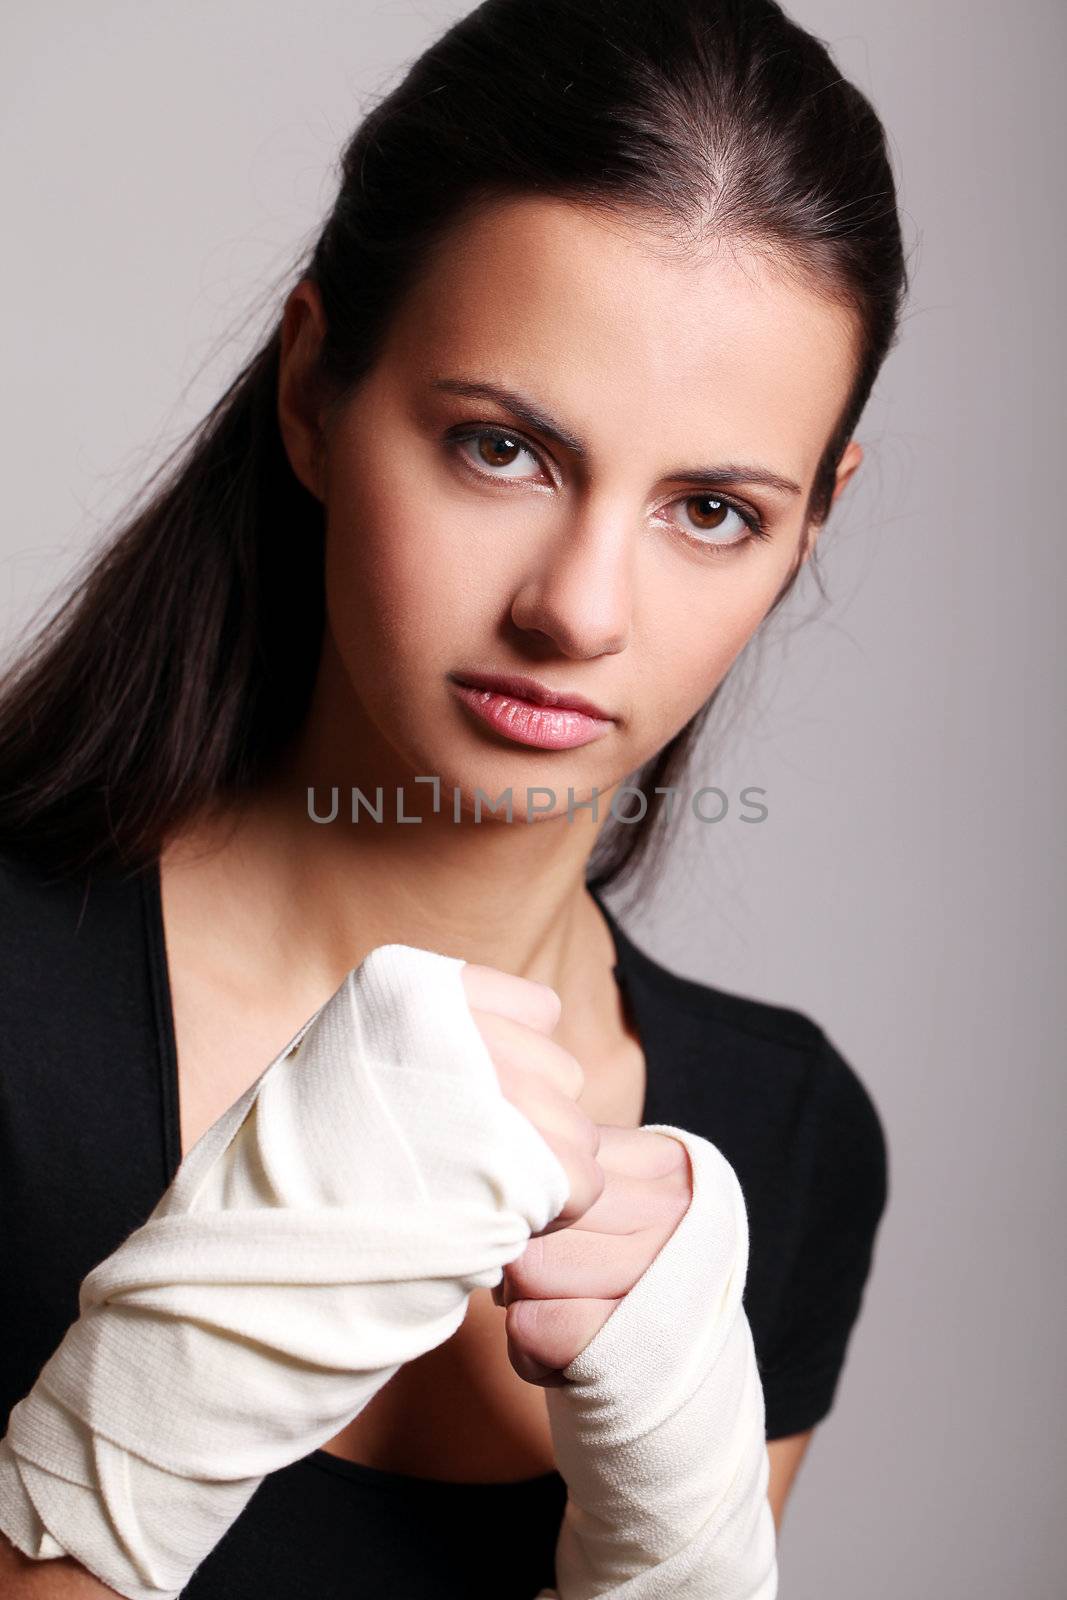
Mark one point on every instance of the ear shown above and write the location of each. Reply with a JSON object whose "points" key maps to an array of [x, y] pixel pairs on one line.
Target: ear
{"points": [[299, 418], [851, 457]]}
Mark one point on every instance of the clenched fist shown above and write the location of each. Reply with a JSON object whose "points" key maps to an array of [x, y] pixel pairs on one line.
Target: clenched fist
{"points": [[630, 1187], [564, 1286]]}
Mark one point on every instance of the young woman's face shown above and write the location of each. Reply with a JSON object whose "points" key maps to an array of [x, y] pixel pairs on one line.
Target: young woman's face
{"points": [[561, 467]]}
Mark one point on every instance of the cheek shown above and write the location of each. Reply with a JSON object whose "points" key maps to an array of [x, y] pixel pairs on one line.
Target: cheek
{"points": [[395, 579], [710, 624]]}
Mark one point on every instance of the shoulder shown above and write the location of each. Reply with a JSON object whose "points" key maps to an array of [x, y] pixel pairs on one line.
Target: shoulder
{"points": [[81, 1069], [779, 1026], [850, 1127], [83, 1141], [37, 916], [769, 1086], [783, 1095], [76, 966], [703, 1010], [36, 901], [708, 1017]]}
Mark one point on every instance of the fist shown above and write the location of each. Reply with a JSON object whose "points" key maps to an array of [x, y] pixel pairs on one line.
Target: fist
{"points": [[563, 1288]]}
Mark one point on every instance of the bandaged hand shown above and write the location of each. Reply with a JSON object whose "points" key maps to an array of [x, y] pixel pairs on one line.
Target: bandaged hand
{"points": [[561, 1290], [659, 1424], [330, 1226]]}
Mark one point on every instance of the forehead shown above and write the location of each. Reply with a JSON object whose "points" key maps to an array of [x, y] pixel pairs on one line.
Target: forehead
{"points": [[628, 342]]}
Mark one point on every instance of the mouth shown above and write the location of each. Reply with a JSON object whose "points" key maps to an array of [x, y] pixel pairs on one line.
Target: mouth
{"points": [[528, 712], [520, 687]]}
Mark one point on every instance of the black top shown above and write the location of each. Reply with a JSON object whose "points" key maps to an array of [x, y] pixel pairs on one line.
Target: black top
{"points": [[89, 1139]]}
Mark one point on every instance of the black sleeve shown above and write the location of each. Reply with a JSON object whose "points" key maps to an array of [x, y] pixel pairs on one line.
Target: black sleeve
{"points": [[845, 1155]]}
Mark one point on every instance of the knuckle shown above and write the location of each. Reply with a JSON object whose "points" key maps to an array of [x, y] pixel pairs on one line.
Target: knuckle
{"points": [[574, 1075], [526, 1273], [587, 1142], [596, 1179], [539, 1327], [561, 1067], [548, 1003], [524, 1325]]}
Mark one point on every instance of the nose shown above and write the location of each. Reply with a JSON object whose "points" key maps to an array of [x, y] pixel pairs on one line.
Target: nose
{"points": [[580, 594]]}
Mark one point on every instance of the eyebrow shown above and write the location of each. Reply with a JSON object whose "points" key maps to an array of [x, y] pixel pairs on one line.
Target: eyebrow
{"points": [[730, 472]]}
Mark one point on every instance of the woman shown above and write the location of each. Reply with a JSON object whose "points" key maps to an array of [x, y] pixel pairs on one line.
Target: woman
{"points": [[554, 414]]}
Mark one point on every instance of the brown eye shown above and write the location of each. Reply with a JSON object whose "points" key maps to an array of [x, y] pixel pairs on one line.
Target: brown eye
{"points": [[705, 518], [710, 512], [497, 449], [493, 451]]}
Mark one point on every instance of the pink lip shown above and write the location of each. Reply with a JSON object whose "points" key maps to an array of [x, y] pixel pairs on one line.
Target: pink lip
{"points": [[519, 687], [549, 722]]}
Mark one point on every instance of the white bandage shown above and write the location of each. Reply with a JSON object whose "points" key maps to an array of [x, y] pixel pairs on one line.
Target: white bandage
{"points": [[329, 1227], [660, 1432]]}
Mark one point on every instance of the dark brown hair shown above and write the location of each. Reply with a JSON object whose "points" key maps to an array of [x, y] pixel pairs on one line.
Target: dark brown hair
{"points": [[182, 660]]}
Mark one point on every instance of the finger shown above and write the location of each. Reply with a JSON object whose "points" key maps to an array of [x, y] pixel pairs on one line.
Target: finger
{"points": [[524, 1000], [550, 1334], [627, 1205], [606, 1198], [513, 1044], [573, 1264], [534, 1371], [621, 1204], [557, 1117], [585, 1180], [641, 1152]]}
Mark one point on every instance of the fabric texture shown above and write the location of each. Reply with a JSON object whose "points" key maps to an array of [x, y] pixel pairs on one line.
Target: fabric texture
{"points": [[660, 1431], [327, 1228]]}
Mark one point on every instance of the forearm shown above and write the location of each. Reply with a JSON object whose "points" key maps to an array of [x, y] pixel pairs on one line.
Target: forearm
{"points": [[329, 1227], [660, 1431], [63, 1579]]}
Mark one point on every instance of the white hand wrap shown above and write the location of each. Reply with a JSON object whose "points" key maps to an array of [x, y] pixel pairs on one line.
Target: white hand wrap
{"points": [[329, 1227], [660, 1434]]}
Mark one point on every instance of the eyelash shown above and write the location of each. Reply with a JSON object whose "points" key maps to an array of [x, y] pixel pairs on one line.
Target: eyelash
{"points": [[755, 524]]}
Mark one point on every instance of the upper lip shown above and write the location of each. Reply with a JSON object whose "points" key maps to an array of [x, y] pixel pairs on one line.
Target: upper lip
{"points": [[524, 688]]}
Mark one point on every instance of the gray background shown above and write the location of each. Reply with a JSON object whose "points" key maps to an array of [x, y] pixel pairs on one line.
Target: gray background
{"points": [[160, 165]]}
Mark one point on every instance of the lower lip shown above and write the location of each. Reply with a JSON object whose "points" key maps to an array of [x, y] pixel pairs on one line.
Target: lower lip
{"points": [[544, 727]]}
